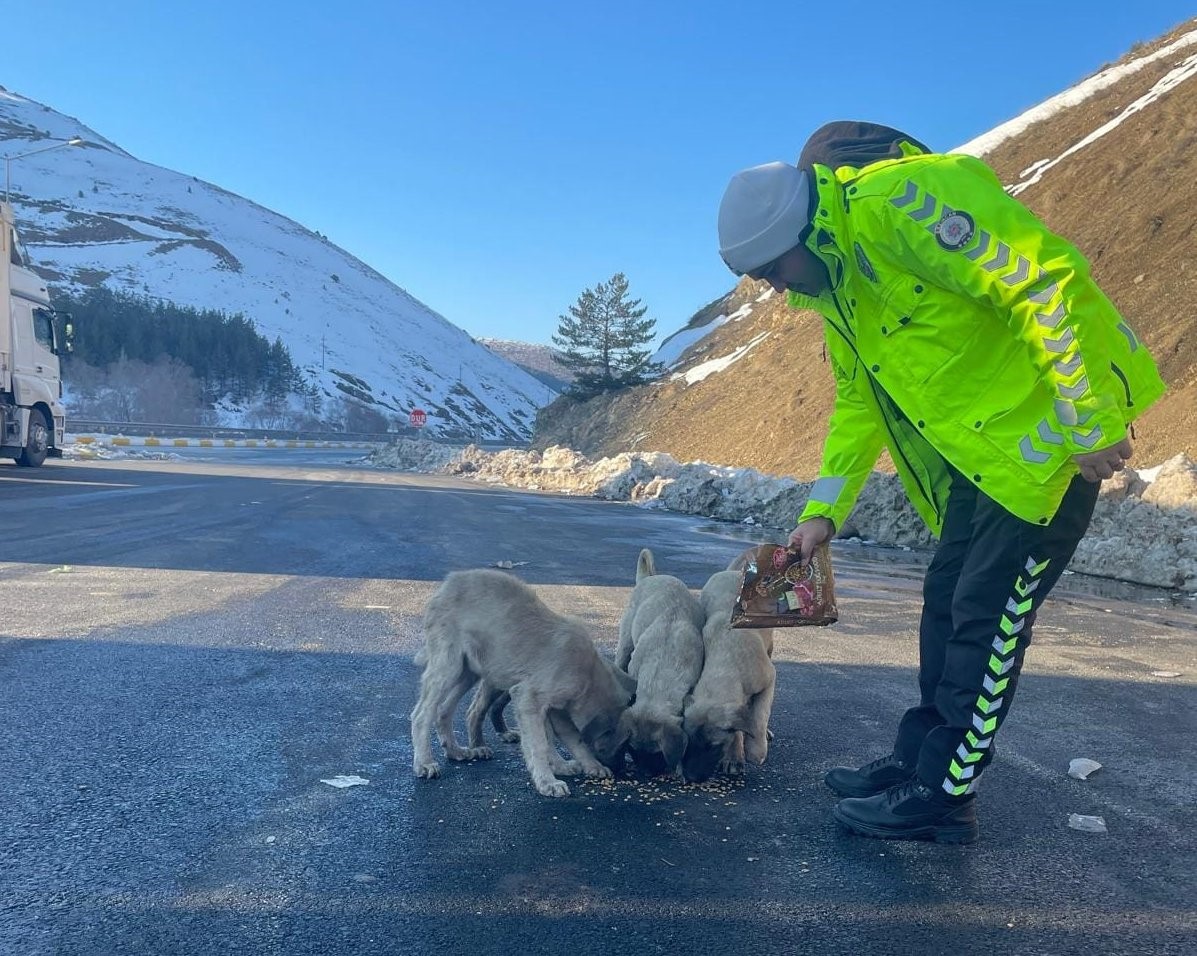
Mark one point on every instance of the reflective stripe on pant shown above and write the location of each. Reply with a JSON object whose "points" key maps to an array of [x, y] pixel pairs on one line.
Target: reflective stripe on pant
{"points": [[989, 576]]}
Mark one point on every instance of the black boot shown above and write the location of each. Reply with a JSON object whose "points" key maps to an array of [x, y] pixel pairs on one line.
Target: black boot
{"points": [[875, 777], [910, 811]]}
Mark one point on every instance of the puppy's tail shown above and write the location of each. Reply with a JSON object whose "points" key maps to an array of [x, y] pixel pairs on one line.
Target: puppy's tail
{"points": [[645, 566]]}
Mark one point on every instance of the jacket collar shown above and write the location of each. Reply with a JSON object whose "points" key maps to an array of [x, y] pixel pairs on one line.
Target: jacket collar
{"points": [[826, 238]]}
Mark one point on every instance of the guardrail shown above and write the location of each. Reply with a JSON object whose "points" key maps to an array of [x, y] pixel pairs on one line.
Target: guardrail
{"points": [[80, 426], [141, 441]]}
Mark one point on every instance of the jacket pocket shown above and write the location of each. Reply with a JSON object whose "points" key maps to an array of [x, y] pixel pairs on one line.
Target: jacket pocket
{"points": [[1012, 412], [925, 335]]}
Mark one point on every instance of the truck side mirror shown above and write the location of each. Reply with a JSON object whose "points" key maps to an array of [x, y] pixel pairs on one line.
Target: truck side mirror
{"points": [[69, 336]]}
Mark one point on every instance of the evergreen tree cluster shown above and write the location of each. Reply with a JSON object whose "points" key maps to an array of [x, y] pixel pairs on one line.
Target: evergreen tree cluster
{"points": [[602, 339], [225, 352]]}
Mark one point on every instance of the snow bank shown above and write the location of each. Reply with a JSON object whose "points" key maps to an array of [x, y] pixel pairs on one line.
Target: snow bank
{"points": [[407, 454], [99, 452], [1145, 532], [1142, 531]]}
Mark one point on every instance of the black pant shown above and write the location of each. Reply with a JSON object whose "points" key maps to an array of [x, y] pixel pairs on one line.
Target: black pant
{"points": [[989, 575]]}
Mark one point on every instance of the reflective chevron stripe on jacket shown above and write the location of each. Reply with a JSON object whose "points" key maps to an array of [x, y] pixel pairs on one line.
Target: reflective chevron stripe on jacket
{"points": [[956, 305]]}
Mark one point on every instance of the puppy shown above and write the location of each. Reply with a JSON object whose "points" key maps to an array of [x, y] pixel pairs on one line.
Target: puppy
{"points": [[661, 646], [490, 700], [727, 714], [486, 625]]}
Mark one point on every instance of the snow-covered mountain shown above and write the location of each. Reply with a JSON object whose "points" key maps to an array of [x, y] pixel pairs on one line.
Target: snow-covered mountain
{"points": [[543, 362], [93, 214]]}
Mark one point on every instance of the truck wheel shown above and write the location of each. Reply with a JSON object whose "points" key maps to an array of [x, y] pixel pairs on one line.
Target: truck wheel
{"points": [[38, 444]]}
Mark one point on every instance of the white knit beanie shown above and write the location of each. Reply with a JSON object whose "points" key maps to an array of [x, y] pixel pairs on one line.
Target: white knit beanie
{"points": [[763, 212]]}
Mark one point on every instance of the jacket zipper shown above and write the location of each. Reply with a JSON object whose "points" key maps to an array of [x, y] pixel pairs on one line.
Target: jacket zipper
{"points": [[1125, 384], [883, 401]]}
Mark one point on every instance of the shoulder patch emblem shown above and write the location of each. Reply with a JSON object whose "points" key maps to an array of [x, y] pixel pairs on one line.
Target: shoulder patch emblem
{"points": [[954, 229], [866, 267]]}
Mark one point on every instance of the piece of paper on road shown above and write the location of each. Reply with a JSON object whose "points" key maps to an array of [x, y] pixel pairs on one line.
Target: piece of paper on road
{"points": [[346, 780], [1079, 768], [1086, 824]]}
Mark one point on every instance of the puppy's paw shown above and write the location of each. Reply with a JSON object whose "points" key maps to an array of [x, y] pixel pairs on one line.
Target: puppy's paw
{"points": [[552, 788], [567, 768], [731, 768], [510, 736], [428, 770], [756, 755], [479, 753], [462, 754], [599, 772]]}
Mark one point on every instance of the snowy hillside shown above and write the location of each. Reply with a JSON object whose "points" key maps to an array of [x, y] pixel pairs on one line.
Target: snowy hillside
{"points": [[540, 361], [1179, 55], [93, 214]]}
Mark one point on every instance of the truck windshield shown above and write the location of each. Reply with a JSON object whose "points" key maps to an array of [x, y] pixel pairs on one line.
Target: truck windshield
{"points": [[16, 253], [43, 328]]}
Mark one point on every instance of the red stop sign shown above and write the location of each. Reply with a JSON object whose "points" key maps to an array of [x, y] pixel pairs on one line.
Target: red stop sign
{"points": [[418, 418]]}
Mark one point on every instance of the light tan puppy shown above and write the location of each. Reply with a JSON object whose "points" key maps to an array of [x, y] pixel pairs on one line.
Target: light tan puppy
{"points": [[489, 700], [487, 625], [660, 645], [727, 715]]}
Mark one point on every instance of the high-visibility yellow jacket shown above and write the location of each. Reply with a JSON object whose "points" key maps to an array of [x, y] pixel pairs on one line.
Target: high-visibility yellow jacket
{"points": [[961, 329]]}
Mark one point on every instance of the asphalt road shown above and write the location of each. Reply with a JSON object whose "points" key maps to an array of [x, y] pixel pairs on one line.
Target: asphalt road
{"points": [[189, 647]]}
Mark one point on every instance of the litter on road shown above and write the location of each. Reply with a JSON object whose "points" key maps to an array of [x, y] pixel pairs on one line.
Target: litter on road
{"points": [[1080, 768], [346, 780], [1087, 824]]}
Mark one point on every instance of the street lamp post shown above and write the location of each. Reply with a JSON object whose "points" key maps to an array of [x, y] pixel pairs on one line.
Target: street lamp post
{"points": [[8, 160]]}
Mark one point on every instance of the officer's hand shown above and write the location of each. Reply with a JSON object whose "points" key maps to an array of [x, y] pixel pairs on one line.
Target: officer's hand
{"points": [[1099, 465], [810, 534]]}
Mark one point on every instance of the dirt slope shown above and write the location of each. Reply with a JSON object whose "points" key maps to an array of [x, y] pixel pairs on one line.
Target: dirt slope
{"points": [[1128, 200]]}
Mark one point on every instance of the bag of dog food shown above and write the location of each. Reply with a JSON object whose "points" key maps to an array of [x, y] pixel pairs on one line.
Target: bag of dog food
{"points": [[777, 590]]}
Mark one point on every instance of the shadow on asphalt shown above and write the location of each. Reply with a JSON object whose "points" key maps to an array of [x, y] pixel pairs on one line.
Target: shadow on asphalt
{"points": [[174, 804]]}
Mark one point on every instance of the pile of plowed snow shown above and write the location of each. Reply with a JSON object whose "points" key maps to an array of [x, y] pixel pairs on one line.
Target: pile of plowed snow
{"points": [[1144, 529], [99, 452]]}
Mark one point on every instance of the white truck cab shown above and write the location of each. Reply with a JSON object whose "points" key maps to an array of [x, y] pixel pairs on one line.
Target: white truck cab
{"points": [[32, 416]]}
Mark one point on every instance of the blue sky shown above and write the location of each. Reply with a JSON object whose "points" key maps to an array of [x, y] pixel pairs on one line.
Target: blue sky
{"points": [[495, 159]]}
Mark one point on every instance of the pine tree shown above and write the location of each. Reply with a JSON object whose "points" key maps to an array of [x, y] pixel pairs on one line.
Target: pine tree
{"points": [[225, 353], [602, 339]]}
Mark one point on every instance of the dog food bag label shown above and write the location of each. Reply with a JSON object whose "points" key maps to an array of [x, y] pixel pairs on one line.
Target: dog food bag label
{"points": [[777, 590]]}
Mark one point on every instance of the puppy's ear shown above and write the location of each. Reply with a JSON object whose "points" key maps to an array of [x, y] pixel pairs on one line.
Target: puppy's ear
{"points": [[626, 684], [623, 731], [736, 719], [671, 741], [694, 715]]}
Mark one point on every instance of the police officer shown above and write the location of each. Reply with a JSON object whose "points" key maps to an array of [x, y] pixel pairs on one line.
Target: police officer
{"points": [[970, 341]]}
